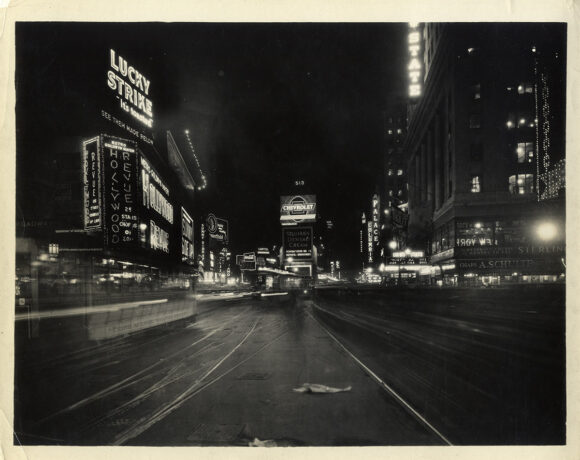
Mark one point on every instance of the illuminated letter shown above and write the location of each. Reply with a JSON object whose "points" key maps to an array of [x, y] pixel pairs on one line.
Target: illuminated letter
{"points": [[113, 65], [121, 83], [415, 64], [131, 71], [414, 90], [414, 37], [414, 50], [146, 83], [129, 93], [123, 66], [414, 76], [149, 108], [111, 80]]}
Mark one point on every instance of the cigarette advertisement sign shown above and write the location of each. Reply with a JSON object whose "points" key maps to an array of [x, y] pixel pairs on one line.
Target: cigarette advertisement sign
{"points": [[120, 187], [297, 209], [217, 228], [92, 198], [128, 104], [297, 242]]}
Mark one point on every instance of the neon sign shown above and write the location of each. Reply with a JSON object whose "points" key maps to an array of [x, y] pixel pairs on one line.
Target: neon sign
{"points": [[131, 88], [119, 184], [414, 67], [152, 187], [92, 184], [187, 251]]}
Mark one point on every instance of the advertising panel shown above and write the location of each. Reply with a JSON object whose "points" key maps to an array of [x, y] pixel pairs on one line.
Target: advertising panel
{"points": [[92, 198], [297, 242], [157, 209], [187, 251], [129, 105], [217, 228], [509, 266], [297, 209], [120, 189]]}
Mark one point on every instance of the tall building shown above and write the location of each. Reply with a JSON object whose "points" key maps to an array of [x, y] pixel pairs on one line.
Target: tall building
{"points": [[485, 150], [395, 188]]}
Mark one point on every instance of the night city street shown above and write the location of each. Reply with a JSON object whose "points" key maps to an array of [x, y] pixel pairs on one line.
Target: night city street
{"points": [[456, 361], [291, 234]]}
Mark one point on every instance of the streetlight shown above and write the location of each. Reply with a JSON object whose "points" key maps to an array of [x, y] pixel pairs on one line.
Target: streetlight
{"points": [[393, 244], [546, 231]]}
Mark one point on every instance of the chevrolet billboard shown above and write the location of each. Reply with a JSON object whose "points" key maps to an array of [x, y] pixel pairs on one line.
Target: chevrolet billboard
{"points": [[297, 209]]}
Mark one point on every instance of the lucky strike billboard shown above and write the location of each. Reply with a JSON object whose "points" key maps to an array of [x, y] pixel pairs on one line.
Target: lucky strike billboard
{"points": [[297, 209], [127, 102]]}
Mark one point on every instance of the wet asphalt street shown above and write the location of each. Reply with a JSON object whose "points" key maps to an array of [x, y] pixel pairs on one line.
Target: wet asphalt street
{"points": [[419, 368]]}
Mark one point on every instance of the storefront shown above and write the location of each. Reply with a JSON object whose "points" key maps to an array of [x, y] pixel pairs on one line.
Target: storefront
{"points": [[495, 252]]}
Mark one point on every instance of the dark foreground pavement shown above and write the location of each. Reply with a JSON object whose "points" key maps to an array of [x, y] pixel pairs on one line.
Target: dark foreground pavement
{"points": [[463, 366], [226, 379], [486, 366]]}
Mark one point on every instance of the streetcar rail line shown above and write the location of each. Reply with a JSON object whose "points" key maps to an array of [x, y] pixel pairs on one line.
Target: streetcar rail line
{"points": [[381, 383]]}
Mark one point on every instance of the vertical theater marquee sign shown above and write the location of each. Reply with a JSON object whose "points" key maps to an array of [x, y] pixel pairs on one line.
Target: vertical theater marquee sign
{"points": [[120, 184]]}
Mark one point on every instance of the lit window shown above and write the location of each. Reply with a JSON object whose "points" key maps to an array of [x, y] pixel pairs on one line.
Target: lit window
{"points": [[399, 172], [476, 89], [390, 193], [525, 88], [475, 184], [399, 131], [525, 152], [390, 131], [521, 184], [390, 172], [509, 124], [400, 193]]}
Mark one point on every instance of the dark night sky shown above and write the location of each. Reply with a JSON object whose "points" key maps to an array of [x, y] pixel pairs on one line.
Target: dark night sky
{"points": [[265, 104]]}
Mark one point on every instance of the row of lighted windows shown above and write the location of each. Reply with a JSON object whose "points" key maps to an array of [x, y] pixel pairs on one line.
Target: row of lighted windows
{"points": [[480, 233], [518, 184], [512, 122], [399, 131], [525, 152], [522, 88], [390, 172]]}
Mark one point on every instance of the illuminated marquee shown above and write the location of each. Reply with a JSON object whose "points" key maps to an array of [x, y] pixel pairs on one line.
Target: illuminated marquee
{"points": [[155, 192], [375, 209], [131, 89], [414, 67], [187, 252], [370, 241], [92, 184], [158, 238], [119, 184]]}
